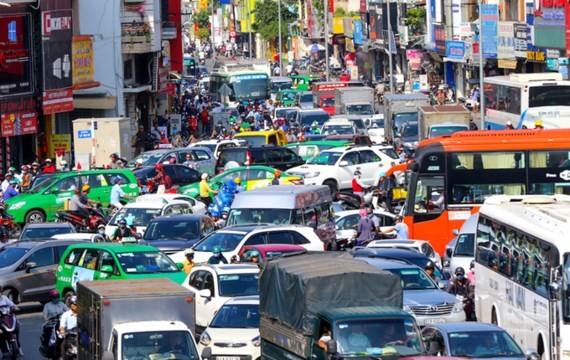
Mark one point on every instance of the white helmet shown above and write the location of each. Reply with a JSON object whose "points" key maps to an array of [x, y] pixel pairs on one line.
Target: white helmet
{"points": [[204, 176]]}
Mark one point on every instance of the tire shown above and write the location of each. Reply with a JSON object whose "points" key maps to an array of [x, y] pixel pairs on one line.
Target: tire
{"points": [[12, 295], [13, 350], [15, 231], [35, 217], [332, 185]]}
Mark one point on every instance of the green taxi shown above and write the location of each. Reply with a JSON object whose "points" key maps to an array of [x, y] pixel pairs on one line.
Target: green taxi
{"points": [[304, 82], [287, 97], [46, 198], [112, 261], [306, 150], [252, 177]]}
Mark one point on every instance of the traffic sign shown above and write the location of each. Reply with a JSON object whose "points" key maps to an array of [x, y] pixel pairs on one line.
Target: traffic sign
{"points": [[84, 134], [233, 34]]}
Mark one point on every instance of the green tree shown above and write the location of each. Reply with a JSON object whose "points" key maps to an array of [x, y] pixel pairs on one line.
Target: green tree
{"points": [[416, 19], [202, 18], [339, 12], [267, 19], [203, 33]]}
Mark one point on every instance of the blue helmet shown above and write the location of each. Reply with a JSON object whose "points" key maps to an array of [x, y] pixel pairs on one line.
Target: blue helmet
{"points": [[117, 179], [226, 210]]}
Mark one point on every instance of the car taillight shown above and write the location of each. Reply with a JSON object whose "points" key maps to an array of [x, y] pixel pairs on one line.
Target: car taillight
{"points": [[247, 158]]}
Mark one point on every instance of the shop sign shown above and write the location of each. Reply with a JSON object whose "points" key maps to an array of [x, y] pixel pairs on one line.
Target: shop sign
{"points": [[337, 26], [60, 143], [358, 38], [455, 50], [347, 25], [349, 45], [536, 56], [363, 6], [439, 30], [549, 24], [505, 40], [489, 24], [82, 58], [465, 29], [18, 117], [16, 65], [519, 30], [552, 53], [416, 58], [57, 33], [507, 64], [136, 37], [373, 19]]}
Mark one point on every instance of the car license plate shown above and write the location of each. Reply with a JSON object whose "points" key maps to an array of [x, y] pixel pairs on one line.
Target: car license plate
{"points": [[434, 321], [227, 358]]}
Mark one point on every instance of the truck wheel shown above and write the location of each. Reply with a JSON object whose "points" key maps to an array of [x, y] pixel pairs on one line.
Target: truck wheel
{"points": [[35, 217], [332, 185]]}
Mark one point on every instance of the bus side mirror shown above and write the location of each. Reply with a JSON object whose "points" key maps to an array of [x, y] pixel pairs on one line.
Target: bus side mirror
{"points": [[331, 347], [554, 289]]}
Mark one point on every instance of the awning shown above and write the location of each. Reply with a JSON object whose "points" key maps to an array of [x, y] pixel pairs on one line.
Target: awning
{"points": [[453, 60], [95, 102]]}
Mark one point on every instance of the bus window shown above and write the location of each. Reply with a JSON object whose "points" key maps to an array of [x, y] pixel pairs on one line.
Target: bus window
{"points": [[426, 189], [495, 160]]}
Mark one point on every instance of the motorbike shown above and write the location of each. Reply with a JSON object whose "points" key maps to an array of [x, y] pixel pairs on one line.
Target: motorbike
{"points": [[8, 329], [468, 307], [50, 342], [71, 345], [8, 228], [96, 218], [348, 200]]}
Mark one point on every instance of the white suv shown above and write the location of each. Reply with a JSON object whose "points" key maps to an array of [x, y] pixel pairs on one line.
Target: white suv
{"points": [[216, 146], [335, 167], [216, 284]]}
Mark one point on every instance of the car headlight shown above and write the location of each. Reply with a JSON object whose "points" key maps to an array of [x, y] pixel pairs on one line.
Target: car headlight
{"points": [[205, 339], [17, 205], [311, 174], [458, 306], [256, 341]]}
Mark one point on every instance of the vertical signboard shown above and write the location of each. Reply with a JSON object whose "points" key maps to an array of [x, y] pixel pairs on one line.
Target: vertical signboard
{"points": [[489, 23], [505, 40], [439, 30], [16, 70], [57, 33], [18, 116], [456, 16], [549, 24], [519, 30], [358, 36], [82, 58]]}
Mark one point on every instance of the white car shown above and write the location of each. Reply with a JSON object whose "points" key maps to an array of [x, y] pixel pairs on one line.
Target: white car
{"points": [[216, 284], [347, 222], [232, 239], [138, 214], [198, 207], [234, 330], [421, 246], [218, 145], [335, 167]]}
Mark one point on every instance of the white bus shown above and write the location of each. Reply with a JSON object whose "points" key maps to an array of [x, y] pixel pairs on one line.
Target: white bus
{"points": [[525, 98], [245, 85], [523, 270]]}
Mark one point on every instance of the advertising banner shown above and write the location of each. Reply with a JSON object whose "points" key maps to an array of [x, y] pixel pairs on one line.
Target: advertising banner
{"points": [[489, 23], [505, 40], [416, 57], [439, 30], [16, 65], [519, 30], [18, 117], [456, 16], [358, 36], [550, 24], [455, 50], [373, 19], [82, 58], [57, 33]]}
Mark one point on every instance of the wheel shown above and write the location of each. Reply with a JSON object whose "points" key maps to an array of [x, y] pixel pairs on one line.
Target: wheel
{"points": [[332, 185], [13, 350], [67, 297], [15, 231], [12, 295], [35, 217]]}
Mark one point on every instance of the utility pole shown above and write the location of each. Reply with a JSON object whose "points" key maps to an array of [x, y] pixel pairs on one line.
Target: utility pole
{"points": [[280, 46], [327, 39], [213, 44], [249, 26], [481, 72], [390, 47]]}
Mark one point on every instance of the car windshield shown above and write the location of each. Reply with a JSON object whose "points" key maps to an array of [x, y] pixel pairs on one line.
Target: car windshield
{"points": [[254, 140], [10, 255], [148, 159], [378, 337], [159, 345], [42, 184], [259, 216], [482, 344], [135, 216], [243, 316], [414, 279], [232, 285], [289, 114], [173, 230], [325, 158], [338, 130], [227, 241], [360, 109], [146, 262], [465, 245], [308, 119], [44, 233]]}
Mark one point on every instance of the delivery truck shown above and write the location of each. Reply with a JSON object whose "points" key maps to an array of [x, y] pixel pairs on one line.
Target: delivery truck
{"points": [[334, 298], [126, 319], [442, 120], [399, 109], [354, 101]]}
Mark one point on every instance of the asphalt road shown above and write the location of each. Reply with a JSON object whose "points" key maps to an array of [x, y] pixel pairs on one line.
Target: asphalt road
{"points": [[30, 317]]}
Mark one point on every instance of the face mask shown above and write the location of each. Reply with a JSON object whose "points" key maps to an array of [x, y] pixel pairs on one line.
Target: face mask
{"points": [[123, 226], [102, 232], [55, 300], [460, 277]]}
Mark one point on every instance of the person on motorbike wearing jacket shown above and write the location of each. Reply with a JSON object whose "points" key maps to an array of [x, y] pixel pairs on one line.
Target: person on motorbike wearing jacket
{"points": [[357, 185], [386, 191], [122, 231], [5, 302], [116, 193], [55, 307], [78, 208], [68, 325], [429, 269], [26, 178], [217, 256], [460, 286], [162, 179]]}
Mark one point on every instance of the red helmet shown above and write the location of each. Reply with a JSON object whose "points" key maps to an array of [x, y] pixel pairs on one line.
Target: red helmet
{"points": [[54, 294], [158, 167]]}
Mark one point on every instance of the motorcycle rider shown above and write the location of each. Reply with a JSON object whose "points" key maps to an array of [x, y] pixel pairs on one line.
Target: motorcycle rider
{"points": [[162, 179], [315, 128], [54, 307], [122, 231], [5, 302], [101, 231], [189, 263], [386, 191], [357, 185], [26, 178], [68, 325], [217, 257], [460, 286], [116, 161], [85, 192], [78, 208], [117, 193], [205, 190], [429, 269]]}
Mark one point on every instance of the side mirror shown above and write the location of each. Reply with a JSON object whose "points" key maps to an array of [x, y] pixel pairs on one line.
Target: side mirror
{"points": [[441, 285], [332, 347], [554, 290], [205, 293], [343, 163], [449, 252], [455, 232], [30, 265], [206, 353], [137, 236], [446, 264], [107, 269]]}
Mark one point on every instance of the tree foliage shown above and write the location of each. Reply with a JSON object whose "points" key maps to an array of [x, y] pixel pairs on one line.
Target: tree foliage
{"points": [[339, 12], [416, 18], [203, 33], [267, 19], [202, 18]]}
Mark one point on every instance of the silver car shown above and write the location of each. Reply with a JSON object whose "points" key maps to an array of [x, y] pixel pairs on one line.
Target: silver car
{"points": [[202, 158]]}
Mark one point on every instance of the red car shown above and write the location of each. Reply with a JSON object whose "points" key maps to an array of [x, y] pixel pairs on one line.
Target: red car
{"points": [[269, 250]]}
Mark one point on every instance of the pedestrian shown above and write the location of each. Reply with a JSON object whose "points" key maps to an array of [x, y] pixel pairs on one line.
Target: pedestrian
{"points": [[49, 168], [401, 229], [365, 230], [204, 120], [140, 137], [386, 191]]}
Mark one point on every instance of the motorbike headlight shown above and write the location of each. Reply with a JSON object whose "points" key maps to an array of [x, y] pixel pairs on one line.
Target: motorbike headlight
{"points": [[311, 174], [458, 306], [205, 339], [256, 341], [17, 205]]}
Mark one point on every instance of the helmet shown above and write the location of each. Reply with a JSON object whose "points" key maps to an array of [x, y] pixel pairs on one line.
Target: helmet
{"points": [[189, 252], [115, 154], [101, 226], [54, 293], [237, 180], [13, 182], [35, 164], [459, 271], [538, 123], [172, 161], [117, 179], [216, 249], [204, 176], [254, 253], [357, 173], [86, 188], [11, 168], [158, 166], [472, 264], [73, 300], [429, 265], [226, 210], [398, 217], [383, 174], [63, 162], [48, 160], [277, 173], [315, 124], [509, 123], [25, 168], [122, 222], [224, 130]]}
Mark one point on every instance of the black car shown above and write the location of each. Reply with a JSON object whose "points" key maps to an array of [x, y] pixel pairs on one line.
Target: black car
{"points": [[180, 174], [172, 234], [276, 157]]}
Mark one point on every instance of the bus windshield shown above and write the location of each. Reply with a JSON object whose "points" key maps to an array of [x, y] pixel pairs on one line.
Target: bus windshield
{"points": [[260, 216], [549, 96], [247, 87]]}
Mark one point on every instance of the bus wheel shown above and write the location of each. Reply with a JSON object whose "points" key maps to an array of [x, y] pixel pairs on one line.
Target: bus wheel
{"points": [[494, 317]]}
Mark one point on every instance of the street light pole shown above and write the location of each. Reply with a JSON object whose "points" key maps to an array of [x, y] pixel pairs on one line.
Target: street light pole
{"points": [[249, 26], [390, 48], [481, 72], [280, 47], [213, 44], [326, 39]]}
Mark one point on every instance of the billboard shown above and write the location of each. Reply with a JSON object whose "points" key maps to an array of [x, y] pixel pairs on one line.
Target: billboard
{"points": [[16, 61]]}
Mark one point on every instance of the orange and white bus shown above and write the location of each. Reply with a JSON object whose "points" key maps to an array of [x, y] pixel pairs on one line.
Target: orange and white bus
{"points": [[453, 175]]}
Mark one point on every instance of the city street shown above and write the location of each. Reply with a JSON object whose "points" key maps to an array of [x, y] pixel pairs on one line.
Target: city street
{"points": [[30, 317]]}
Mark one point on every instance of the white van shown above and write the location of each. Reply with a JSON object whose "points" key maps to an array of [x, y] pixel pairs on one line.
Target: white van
{"points": [[464, 250]]}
